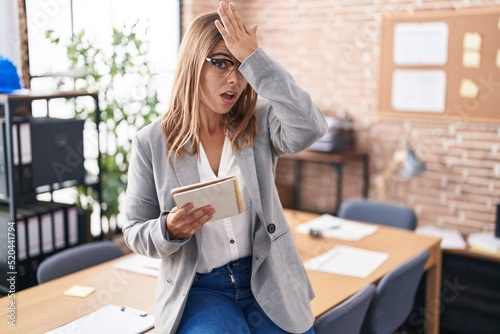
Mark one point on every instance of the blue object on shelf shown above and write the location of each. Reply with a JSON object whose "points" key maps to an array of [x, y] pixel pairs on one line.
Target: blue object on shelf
{"points": [[9, 78]]}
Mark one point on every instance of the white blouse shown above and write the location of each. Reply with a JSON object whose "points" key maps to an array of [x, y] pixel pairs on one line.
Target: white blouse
{"points": [[230, 238]]}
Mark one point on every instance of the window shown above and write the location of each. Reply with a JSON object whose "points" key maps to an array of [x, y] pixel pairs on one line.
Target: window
{"points": [[50, 69], [97, 18], [9, 32]]}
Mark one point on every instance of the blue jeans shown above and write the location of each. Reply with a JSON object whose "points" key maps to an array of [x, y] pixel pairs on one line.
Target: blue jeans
{"points": [[221, 302]]}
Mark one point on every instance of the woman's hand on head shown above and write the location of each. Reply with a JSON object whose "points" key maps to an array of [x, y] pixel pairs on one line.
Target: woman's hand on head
{"points": [[181, 223], [240, 42]]}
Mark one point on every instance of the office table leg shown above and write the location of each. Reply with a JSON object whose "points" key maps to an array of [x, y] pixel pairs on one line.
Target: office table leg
{"points": [[296, 184], [433, 293], [366, 175], [338, 168]]}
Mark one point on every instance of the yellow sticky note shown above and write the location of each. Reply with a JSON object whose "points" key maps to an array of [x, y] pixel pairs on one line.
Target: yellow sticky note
{"points": [[498, 58], [471, 58], [472, 40], [79, 291], [468, 89]]}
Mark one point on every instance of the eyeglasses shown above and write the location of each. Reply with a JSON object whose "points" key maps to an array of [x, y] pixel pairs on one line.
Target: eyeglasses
{"points": [[222, 67]]}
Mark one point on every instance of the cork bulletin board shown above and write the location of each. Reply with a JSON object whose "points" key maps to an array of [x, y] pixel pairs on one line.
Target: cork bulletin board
{"points": [[442, 65]]}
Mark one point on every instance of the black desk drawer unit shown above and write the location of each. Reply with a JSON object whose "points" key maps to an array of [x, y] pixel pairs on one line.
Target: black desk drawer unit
{"points": [[470, 295]]}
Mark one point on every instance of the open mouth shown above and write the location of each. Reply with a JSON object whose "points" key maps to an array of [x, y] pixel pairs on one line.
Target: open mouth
{"points": [[228, 97]]}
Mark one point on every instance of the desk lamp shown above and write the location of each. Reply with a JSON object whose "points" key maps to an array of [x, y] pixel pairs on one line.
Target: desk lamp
{"points": [[410, 165]]}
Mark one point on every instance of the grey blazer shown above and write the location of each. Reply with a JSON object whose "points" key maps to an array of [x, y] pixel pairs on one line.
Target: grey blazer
{"points": [[288, 122]]}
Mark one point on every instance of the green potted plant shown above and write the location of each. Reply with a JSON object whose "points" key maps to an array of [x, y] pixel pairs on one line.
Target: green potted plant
{"points": [[107, 70]]}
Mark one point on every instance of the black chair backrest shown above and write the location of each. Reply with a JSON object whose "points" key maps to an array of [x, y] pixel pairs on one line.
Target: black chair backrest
{"points": [[77, 258], [383, 213]]}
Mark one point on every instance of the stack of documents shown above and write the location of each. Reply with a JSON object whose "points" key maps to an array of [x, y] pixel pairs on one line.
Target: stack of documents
{"points": [[450, 238], [330, 226], [484, 242], [347, 261]]}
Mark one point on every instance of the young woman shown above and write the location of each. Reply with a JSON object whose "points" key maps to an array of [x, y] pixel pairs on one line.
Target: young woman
{"points": [[233, 111]]}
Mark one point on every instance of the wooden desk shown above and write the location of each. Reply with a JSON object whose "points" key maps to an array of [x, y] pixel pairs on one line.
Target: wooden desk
{"points": [[337, 161], [401, 244], [44, 307]]}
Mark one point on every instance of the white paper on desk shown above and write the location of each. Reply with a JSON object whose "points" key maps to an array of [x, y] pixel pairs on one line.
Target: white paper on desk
{"points": [[109, 319], [347, 261], [484, 241], [337, 228], [450, 238], [140, 264]]}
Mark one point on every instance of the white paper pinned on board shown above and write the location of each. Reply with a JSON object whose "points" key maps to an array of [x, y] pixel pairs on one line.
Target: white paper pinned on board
{"points": [[421, 43], [419, 90], [498, 59]]}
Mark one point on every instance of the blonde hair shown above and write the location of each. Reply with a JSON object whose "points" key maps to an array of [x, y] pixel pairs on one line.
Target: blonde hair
{"points": [[181, 122]]}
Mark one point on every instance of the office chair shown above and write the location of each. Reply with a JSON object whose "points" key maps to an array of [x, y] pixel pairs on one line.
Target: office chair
{"points": [[394, 297], [4, 291], [77, 258], [383, 213], [348, 316]]}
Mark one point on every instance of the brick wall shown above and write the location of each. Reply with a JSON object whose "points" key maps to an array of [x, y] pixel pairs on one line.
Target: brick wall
{"points": [[23, 29], [331, 47]]}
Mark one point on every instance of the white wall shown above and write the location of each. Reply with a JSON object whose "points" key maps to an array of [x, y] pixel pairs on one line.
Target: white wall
{"points": [[9, 31]]}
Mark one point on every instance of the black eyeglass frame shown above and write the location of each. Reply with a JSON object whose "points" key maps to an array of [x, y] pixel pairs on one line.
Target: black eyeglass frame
{"points": [[214, 62]]}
